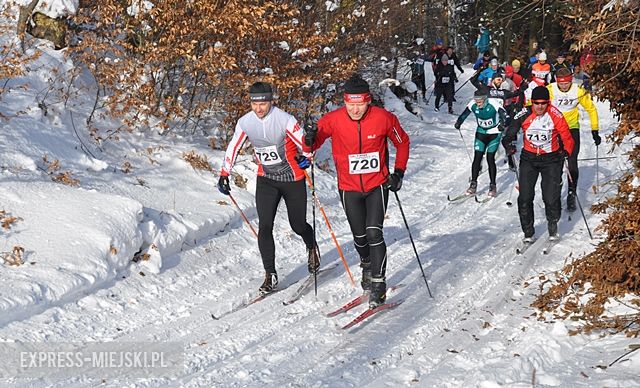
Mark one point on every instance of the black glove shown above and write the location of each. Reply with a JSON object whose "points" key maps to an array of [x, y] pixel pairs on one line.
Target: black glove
{"points": [[223, 185], [457, 125], [303, 161], [310, 133], [394, 181], [596, 137], [500, 127], [565, 154], [511, 149]]}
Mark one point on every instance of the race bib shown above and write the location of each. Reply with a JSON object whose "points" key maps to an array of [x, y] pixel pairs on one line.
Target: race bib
{"points": [[364, 163], [445, 80], [540, 74], [268, 155], [420, 61], [566, 104], [486, 123], [539, 137]]}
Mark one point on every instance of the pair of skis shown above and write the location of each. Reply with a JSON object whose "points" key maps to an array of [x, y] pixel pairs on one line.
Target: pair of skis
{"points": [[463, 197], [364, 298], [297, 294], [549, 244]]}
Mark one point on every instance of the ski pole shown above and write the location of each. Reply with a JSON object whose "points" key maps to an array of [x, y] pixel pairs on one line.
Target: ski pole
{"points": [[326, 220], [465, 82], [516, 183], [243, 216], [430, 94], [412, 243], [465, 145], [602, 158], [578, 199], [313, 208], [597, 171]]}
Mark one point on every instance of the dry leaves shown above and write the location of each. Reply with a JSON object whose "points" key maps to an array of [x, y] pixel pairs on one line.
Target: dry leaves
{"points": [[7, 220], [13, 258]]}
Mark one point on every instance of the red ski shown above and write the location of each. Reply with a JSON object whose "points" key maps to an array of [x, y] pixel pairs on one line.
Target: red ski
{"points": [[358, 301], [371, 311], [355, 302]]}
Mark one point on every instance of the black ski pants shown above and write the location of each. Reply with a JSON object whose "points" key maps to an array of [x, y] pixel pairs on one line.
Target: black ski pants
{"points": [[549, 166], [365, 213], [268, 195], [446, 91], [572, 160], [420, 83]]}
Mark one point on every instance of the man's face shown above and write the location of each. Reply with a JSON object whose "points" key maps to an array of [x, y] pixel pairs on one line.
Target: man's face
{"points": [[540, 106], [356, 109], [480, 102], [261, 108], [560, 59], [564, 86], [449, 52], [497, 81]]}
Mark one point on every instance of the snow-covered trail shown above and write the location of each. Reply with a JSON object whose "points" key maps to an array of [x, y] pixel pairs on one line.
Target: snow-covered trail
{"points": [[467, 335]]}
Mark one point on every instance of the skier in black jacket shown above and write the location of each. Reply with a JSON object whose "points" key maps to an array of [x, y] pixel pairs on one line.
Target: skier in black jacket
{"points": [[445, 78]]}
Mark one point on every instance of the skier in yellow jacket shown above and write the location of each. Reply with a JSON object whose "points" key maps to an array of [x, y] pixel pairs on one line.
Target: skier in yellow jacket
{"points": [[566, 96]]}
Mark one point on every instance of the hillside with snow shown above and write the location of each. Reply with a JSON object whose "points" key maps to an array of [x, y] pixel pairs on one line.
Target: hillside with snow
{"points": [[196, 262]]}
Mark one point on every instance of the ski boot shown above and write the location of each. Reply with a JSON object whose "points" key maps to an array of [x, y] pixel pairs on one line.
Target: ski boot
{"points": [[378, 293], [473, 187], [270, 283], [552, 227], [313, 261], [493, 190], [366, 275]]}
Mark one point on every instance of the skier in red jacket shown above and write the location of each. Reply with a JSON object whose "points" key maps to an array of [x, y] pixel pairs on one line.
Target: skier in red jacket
{"points": [[359, 133], [547, 141]]}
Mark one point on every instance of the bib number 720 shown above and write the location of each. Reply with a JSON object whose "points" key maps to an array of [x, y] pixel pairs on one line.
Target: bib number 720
{"points": [[364, 163]]}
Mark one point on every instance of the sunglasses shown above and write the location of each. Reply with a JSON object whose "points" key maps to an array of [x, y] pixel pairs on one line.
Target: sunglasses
{"points": [[540, 102]]}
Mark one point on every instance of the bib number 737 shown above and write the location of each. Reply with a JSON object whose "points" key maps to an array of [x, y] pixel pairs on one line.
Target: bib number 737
{"points": [[364, 163]]}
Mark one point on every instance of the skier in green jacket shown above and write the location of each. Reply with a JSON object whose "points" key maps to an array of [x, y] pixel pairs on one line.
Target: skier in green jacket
{"points": [[490, 118]]}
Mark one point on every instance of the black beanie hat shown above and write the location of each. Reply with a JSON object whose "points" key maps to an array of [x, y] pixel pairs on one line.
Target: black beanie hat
{"points": [[540, 93], [261, 91], [480, 93], [356, 85]]}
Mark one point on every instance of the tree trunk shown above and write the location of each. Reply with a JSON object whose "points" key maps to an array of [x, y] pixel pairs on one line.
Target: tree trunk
{"points": [[23, 18]]}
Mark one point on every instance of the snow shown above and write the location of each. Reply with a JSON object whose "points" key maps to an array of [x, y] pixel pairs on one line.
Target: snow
{"points": [[53, 8], [79, 281]]}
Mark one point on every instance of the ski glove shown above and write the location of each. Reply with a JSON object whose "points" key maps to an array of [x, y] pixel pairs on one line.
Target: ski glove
{"points": [[223, 185], [303, 161], [310, 133], [394, 181], [596, 137], [457, 125]]}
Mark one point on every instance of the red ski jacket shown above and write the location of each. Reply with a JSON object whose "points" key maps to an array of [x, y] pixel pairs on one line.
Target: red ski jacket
{"points": [[542, 134], [359, 148]]}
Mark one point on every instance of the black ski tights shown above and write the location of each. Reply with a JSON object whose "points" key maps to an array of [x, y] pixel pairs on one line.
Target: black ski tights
{"points": [[477, 161]]}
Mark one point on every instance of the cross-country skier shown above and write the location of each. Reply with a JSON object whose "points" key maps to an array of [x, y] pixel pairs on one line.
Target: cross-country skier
{"points": [[359, 133], [490, 118], [567, 96], [279, 150]]}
